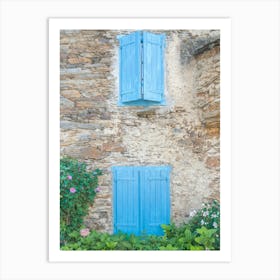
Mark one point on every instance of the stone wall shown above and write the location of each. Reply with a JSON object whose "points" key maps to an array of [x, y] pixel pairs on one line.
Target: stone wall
{"points": [[183, 134]]}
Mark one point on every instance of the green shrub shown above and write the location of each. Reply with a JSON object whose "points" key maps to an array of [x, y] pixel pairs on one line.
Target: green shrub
{"points": [[78, 187], [190, 236], [209, 217], [206, 238]]}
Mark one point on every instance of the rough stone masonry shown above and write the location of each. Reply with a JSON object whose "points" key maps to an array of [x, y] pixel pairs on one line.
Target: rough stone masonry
{"points": [[184, 134]]}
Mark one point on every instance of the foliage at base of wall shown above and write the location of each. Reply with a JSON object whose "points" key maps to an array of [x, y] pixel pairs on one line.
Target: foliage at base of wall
{"points": [[78, 187], [202, 232]]}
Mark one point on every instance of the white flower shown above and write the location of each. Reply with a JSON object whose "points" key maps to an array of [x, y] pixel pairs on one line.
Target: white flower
{"points": [[192, 213], [206, 213], [214, 215], [215, 225], [202, 222]]}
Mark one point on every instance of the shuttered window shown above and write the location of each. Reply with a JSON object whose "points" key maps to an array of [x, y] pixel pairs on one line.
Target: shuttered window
{"points": [[141, 199], [141, 60]]}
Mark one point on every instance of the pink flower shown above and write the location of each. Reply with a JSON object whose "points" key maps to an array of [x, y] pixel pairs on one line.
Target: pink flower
{"points": [[72, 190], [84, 232], [69, 177], [98, 189]]}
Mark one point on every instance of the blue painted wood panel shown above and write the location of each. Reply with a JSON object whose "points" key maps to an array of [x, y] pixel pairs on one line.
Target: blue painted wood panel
{"points": [[141, 199], [155, 199], [153, 62], [130, 67], [126, 200]]}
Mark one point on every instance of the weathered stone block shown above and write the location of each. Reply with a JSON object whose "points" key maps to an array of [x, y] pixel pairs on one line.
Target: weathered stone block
{"points": [[112, 147], [78, 60], [79, 125], [211, 119], [66, 103], [146, 113], [213, 131], [71, 94], [213, 162]]}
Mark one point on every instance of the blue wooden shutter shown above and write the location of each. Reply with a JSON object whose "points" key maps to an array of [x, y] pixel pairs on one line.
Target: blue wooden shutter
{"points": [[155, 199], [130, 67], [126, 200], [153, 66]]}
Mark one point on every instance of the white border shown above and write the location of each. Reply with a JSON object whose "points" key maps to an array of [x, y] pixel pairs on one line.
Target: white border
{"points": [[24, 139], [55, 255]]}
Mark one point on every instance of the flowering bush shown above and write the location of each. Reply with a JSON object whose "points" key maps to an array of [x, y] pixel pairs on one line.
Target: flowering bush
{"points": [[209, 217], [78, 187]]}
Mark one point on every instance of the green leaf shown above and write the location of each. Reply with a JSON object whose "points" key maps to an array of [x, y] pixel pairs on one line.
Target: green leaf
{"points": [[111, 244], [188, 235], [196, 248], [168, 248]]}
